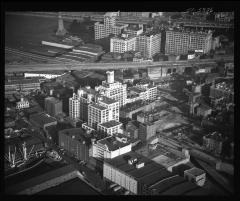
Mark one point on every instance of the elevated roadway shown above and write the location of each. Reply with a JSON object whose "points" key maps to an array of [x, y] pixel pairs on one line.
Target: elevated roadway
{"points": [[107, 66]]}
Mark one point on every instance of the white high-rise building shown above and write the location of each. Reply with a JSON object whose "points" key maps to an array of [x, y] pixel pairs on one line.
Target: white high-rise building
{"points": [[97, 114], [108, 26], [112, 106], [113, 89], [123, 44], [148, 44], [74, 107], [180, 42]]}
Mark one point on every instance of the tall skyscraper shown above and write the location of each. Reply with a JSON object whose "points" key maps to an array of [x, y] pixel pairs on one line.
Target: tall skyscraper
{"points": [[61, 30], [74, 107], [53, 106]]}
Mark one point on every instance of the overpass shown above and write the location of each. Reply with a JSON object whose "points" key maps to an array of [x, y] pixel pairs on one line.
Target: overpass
{"points": [[203, 24], [108, 66]]}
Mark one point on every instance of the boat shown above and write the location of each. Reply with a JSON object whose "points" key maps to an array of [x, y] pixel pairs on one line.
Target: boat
{"points": [[16, 164]]}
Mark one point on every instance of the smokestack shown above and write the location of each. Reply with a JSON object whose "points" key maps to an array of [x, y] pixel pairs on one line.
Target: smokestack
{"points": [[110, 77]]}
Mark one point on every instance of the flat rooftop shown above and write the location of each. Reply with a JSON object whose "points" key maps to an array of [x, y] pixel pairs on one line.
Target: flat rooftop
{"points": [[42, 118], [144, 174], [89, 91], [97, 106], [110, 124], [195, 171], [113, 142], [107, 100], [53, 99], [76, 133], [137, 89]]}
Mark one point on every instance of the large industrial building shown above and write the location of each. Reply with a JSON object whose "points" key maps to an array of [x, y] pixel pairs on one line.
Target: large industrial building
{"points": [[75, 141], [141, 176], [53, 106], [181, 42], [111, 146], [42, 120], [21, 84]]}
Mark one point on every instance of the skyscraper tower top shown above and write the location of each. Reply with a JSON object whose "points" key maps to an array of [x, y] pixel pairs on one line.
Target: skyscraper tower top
{"points": [[61, 30]]}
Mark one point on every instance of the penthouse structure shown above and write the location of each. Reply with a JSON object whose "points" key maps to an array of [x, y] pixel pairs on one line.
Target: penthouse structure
{"points": [[112, 146], [141, 176], [113, 89], [123, 43], [148, 44], [134, 30], [180, 42]]}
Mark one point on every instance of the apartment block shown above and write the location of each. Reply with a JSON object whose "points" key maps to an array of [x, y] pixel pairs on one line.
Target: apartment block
{"points": [[123, 43], [148, 44], [180, 42]]}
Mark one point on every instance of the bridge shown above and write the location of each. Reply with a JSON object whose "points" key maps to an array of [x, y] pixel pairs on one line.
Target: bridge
{"points": [[9, 68], [203, 24], [127, 20]]}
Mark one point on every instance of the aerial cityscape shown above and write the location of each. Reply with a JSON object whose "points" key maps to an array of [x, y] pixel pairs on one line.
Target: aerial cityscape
{"points": [[119, 103]]}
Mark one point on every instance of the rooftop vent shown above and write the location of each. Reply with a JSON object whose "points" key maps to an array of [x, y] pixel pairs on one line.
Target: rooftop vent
{"points": [[140, 165], [132, 161]]}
